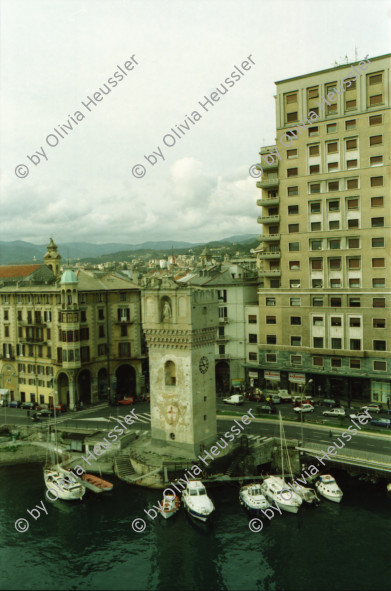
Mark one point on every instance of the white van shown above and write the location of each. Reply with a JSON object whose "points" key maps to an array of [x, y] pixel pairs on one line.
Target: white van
{"points": [[234, 399]]}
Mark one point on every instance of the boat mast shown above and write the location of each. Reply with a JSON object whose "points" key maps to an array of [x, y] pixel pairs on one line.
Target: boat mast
{"points": [[282, 453]]}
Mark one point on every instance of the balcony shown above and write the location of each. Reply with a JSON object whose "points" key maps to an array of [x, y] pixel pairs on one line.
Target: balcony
{"points": [[273, 166], [222, 339], [33, 340], [223, 320], [223, 356], [123, 320], [270, 254], [270, 219], [268, 202], [268, 183], [269, 237], [270, 273]]}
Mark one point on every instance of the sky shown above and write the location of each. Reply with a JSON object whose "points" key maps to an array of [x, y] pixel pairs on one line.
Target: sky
{"points": [[84, 183]]}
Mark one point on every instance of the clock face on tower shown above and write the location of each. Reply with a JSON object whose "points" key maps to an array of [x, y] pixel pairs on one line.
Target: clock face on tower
{"points": [[203, 364]]}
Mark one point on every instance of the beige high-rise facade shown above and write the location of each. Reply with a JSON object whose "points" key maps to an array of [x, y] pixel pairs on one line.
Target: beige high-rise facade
{"points": [[325, 308]]}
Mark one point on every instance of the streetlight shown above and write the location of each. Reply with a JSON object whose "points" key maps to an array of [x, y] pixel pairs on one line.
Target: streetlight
{"points": [[310, 381]]}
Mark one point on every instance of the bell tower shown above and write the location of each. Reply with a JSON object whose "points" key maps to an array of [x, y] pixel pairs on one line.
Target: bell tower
{"points": [[52, 258], [180, 325]]}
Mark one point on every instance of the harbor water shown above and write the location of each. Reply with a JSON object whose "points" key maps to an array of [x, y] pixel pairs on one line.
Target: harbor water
{"points": [[91, 544]]}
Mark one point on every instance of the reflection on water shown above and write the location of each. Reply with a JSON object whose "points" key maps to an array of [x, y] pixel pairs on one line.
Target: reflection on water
{"points": [[90, 544]]}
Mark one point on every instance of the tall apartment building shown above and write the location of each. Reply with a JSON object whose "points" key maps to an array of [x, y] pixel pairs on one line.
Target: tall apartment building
{"points": [[74, 337], [325, 307]]}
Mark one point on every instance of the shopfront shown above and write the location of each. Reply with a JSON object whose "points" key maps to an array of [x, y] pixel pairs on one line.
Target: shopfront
{"points": [[272, 380]]}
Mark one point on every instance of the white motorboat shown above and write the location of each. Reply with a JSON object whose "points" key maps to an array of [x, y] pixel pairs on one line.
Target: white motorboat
{"points": [[252, 498], [276, 490], [196, 501], [389, 487], [170, 505], [62, 483], [328, 488], [308, 495]]}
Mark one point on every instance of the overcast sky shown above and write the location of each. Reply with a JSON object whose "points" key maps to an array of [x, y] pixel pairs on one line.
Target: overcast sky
{"points": [[56, 53]]}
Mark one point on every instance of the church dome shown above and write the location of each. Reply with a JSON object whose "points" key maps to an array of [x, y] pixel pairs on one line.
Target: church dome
{"points": [[68, 277]]}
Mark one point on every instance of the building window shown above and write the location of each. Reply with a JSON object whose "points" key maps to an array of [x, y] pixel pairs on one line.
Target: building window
{"points": [[336, 343], [354, 302], [353, 223], [375, 99], [295, 341], [293, 191], [380, 366], [315, 207], [270, 301], [375, 160], [221, 349], [335, 302], [352, 203], [354, 263], [336, 321], [252, 318], [271, 357], [291, 98], [316, 226], [222, 295], [295, 320], [294, 265], [316, 245], [123, 314], [377, 222], [335, 283], [379, 345], [355, 364], [333, 186], [331, 127], [333, 205], [377, 242], [314, 169], [295, 301], [313, 131], [378, 282], [351, 104], [335, 264], [101, 349], [353, 242], [318, 342], [379, 323], [271, 319], [293, 209], [317, 283], [376, 181], [292, 172], [291, 153], [124, 349], [296, 360], [294, 283], [351, 163], [335, 244], [376, 120], [336, 362], [124, 330], [376, 263], [332, 147], [122, 296], [293, 228], [313, 150], [317, 320], [293, 246], [355, 344], [252, 357], [332, 166], [317, 361], [271, 339], [317, 302], [378, 302], [315, 188], [352, 184], [101, 331], [351, 144], [252, 338]]}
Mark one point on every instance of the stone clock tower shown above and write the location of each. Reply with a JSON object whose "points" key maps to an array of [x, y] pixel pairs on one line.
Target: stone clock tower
{"points": [[180, 325]]}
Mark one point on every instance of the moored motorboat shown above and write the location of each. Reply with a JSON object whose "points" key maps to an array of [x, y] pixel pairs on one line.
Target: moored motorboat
{"points": [[170, 505], [308, 495], [252, 498], [196, 501], [98, 483], [276, 490], [328, 488]]}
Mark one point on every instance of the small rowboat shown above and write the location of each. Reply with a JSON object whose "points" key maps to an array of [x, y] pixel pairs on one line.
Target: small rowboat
{"points": [[99, 483], [170, 505]]}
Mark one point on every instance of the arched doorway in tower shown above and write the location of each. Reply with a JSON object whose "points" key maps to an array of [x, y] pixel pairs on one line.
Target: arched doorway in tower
{"points": [[126, 381], [84, 386], [102, 384], [62, 389], [222, 377]]}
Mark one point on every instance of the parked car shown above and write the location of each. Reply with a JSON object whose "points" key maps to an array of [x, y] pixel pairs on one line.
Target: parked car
{"points": [[59, 408], [267, 409], [334, 412], [28, 405], [304, 408], [372, 407], [234, 399], [331, 403], [276, 399], [45, 412], [126, 400], [381, 423], [14, 404], [284, 395]]}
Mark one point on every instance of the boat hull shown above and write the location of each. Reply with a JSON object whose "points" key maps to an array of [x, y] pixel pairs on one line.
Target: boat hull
{"points": [[51, 482]]}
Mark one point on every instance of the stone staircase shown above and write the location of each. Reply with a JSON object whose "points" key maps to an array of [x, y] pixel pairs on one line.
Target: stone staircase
{"points": [[123, 468]]}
